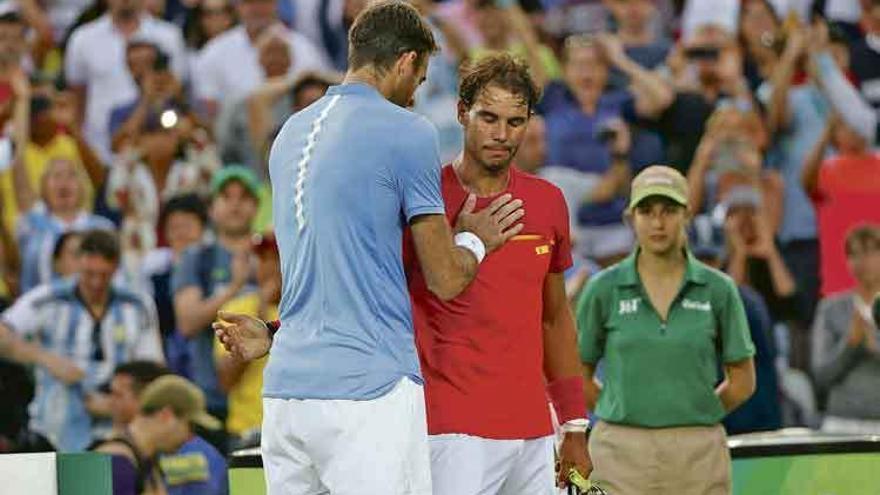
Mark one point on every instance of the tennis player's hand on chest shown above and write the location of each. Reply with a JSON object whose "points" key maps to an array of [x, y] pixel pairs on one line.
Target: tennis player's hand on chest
{"points": [[494, 223]]}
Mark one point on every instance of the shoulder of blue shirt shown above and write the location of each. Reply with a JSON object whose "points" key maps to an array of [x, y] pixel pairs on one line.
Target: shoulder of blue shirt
{"points": [[197, 461]]}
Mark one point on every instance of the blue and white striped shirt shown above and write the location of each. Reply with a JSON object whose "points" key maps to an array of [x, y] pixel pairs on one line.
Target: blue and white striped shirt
{"points": [[55, 316], [38, 230]]}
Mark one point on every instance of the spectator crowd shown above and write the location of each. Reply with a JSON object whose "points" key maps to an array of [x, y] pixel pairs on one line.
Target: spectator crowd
{"points": [[135, 200]]}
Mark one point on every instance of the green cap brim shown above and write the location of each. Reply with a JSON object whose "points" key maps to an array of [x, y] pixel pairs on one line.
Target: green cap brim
{"points": [[238, 173], [658, 190], [206, 421], [251, 187]]}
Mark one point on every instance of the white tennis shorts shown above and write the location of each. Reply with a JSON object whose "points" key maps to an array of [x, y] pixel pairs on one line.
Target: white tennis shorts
{"points": [[469, 465], [348, 447]]}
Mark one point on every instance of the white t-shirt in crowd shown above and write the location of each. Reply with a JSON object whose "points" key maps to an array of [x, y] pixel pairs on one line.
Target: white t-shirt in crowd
{"points": [[228, 68], [63, 13], [96, 58], [844, 10], [307, 20], [698, 13], [800, 7]]}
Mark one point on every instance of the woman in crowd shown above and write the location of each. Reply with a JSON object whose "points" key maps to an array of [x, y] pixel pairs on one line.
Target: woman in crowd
{"points": [[590, 150], [759, 29], [731, 155], [60, 207], [65, 255], [205, 21]]}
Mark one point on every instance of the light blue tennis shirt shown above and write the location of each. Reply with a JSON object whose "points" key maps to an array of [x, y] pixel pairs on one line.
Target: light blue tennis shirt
{"points": [[348, 173]]}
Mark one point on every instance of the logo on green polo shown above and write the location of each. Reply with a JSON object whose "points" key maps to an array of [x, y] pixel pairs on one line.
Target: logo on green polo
{"points": [[696, 305], [629, 306]]}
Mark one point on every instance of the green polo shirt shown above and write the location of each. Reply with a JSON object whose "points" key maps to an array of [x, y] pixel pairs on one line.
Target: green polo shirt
{"points": [[658, 374]]}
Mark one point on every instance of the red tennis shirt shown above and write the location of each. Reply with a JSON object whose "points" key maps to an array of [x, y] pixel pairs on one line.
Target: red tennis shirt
{"points": [[482, 352]]}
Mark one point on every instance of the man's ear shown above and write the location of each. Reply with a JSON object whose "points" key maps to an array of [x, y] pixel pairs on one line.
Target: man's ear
{"points": [[407, 59], [462, 113]]}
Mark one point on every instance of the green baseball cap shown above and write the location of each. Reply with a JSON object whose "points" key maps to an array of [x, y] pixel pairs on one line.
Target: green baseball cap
{"points": [[182, 396], [239, 173], [659, 180]]}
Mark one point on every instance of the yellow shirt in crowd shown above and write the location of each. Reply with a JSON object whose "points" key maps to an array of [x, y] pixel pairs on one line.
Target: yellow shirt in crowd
{"points": [[246, 397], [36, 159]]}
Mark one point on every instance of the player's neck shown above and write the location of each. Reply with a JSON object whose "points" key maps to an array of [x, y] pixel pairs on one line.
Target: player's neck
{"points": [[661, 265], [476, 179], [234, 243], [96, 304], [369, 77], [66, 215], [126, 22]]}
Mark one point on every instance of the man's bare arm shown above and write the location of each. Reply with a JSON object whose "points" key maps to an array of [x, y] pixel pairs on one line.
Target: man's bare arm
{"points": [[560, 337], [449, 268]]}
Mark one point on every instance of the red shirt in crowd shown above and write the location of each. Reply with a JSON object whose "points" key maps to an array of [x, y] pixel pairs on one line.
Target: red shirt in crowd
{"points": [[848, 194], [849, 174], [482, 352]]}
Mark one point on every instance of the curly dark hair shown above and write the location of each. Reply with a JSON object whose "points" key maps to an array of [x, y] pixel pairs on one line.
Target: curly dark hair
{"points": [[501, 70], [142, 373], [865, 236], [100, 242], [386, 30]]}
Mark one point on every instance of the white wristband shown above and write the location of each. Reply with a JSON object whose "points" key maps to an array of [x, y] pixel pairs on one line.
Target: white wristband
{"points": [[864, 309], [472, 243], [579, 425]]}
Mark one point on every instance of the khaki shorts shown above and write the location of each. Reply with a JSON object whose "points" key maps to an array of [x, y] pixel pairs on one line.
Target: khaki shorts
{"points": [[666, 461]]}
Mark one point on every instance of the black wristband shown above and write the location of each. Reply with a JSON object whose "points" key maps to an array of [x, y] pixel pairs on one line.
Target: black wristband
{"points": [[273, 327]]}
